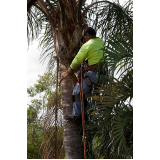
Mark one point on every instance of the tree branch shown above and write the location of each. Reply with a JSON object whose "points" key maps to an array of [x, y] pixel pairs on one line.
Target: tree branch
{"points": [[45, 10], [81, 3], [62, 12], [30, 3], [92, 4]]}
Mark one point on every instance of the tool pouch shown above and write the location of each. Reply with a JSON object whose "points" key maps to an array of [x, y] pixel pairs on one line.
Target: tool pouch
{"points": [[88, 81]]}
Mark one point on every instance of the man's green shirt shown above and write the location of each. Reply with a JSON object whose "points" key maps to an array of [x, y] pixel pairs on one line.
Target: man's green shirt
{"points": [[91, 51]]}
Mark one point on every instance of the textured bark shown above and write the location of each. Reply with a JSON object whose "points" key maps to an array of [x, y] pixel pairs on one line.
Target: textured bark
{"points": [[72, 139]]}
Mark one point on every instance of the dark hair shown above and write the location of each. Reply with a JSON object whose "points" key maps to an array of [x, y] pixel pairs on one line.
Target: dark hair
{"points": [[90, 31]]}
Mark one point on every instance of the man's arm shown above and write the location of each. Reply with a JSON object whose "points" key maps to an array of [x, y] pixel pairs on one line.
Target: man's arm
{"points": [[82, 54], [70, 71]]}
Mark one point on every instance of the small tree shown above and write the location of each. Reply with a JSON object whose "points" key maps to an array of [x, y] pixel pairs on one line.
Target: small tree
{"points": [[44, 127]]}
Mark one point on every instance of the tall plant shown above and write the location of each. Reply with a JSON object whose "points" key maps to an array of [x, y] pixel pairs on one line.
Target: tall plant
{"points": [[61, 23]]}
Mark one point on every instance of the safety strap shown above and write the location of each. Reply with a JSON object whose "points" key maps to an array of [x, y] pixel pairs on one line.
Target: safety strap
{"points": [[93, 67], [88, 81]]}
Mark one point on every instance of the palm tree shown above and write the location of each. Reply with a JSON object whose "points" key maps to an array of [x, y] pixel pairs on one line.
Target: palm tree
{"points": [[61, 23]]}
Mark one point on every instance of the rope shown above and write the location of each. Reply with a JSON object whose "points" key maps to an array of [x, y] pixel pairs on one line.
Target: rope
{"points": [[82, 111], [63, 78]]}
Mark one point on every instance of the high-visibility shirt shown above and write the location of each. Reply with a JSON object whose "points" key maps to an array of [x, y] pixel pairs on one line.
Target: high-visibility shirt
{"points": [[92, 51]]}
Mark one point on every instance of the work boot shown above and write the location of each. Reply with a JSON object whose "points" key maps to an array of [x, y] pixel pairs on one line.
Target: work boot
{"points": [[78, 120]]}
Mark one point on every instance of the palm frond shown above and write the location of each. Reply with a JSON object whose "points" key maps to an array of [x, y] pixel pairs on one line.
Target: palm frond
{"points": [[62, 10], [35, 23], [109, 18], [46, 43], [120, 54], [38, 26]]}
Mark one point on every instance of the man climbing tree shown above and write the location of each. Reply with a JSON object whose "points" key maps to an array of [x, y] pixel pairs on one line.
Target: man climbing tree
{"points": [[92, 52]]}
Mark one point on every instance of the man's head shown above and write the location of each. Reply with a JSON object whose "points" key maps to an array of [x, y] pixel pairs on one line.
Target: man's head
{"points": [[89, 33]]}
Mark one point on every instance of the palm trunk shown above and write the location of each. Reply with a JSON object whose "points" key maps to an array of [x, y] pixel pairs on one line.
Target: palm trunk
{"points": [[72, 139]]}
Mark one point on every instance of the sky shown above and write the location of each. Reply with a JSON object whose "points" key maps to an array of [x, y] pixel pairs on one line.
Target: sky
{"points": [[34, 67]]}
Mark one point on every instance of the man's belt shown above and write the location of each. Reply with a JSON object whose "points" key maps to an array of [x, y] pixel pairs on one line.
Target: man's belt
{"points": [[93, 67]]}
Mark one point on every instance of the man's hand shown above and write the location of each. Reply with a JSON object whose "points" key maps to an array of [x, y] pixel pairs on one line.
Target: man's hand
{"points": [[69, 71]]}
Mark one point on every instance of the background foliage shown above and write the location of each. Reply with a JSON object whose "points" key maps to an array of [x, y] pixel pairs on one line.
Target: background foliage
{"points": [[43, 127]]}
